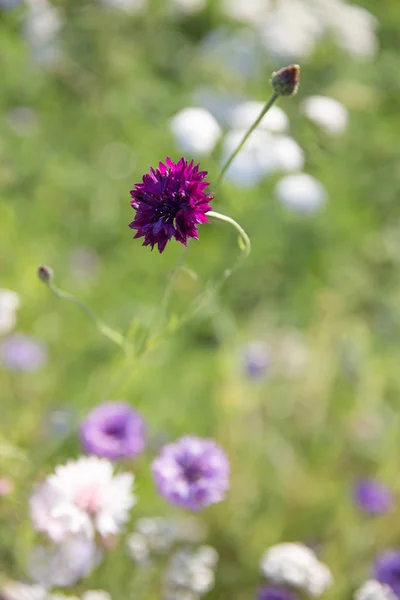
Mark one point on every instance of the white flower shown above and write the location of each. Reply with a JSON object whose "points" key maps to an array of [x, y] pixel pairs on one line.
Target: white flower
{"points": [[296, 565], [249, 11], [253, 162], [219, 104], [355, 29], [195, 131], [82, 497], [191, 571], [15, 590], [244, 115], [234, 51], [373, 590], [65, 564], [326, 112], [288, 154], [301, 193], [9, 304], [95, 595], [41, 29]]}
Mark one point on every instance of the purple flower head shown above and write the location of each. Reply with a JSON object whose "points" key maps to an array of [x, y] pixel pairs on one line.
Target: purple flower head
{"points": [[372, 497], [170, 202], [192, 472], [257, 359], [387, 569], [275, 592], [113, 430], [21, 353]]}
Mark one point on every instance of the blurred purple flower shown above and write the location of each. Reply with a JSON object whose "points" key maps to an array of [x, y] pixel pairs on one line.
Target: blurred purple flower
{"points": [[387, 569], [275, 592], [113, 430], [21, 353], [372, 497], [192, 472], [170, 202], [257, 359]]}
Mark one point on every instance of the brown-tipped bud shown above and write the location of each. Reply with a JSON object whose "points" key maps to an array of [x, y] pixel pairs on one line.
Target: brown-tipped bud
{"points": [[45, 274], [286, 81]]}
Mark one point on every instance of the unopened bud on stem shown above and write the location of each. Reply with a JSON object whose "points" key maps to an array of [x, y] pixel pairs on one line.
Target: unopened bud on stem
{"points": [[45, 273], [286, 81]]}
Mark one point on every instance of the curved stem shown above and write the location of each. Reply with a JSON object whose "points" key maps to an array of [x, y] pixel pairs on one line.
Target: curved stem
{"points": [[244, 240], [108, 332], [246, 137]]}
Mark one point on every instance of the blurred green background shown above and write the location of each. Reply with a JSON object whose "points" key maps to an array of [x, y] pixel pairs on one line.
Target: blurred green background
{"points": [[324, 287]]}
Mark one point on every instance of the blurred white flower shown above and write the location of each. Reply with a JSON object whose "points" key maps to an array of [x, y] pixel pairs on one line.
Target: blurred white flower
{"points": [[237, 51], [128, 6], [42, 26], [288, 154], [15, 590], [64, 564], [95, 595], [355, 29], [249, 11], [190, 570], [9, 304], [296, 565], [301, 193], [291, 353], [82, 497], [326, 112], [138, 548], [195, 131], [244, 115], [219, 104], [254, 161], [373, 590]]}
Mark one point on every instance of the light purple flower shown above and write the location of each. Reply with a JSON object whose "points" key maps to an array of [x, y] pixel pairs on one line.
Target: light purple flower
{"points": [[21, 353], [257, 359], [113, 430], [275, 592], [387, 569], [170, 202], [192, 472], [372, 497]]}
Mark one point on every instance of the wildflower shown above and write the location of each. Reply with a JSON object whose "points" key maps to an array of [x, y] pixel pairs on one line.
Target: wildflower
{"points": [[190, 571], [301, 193], [170, 202], [255, 160], [95, 595], [16, 590], [326, 112], [113, 430], [195, 131], [372, 497], [373, 590], [387, 569], [21, 353], [295, 565], [9, 304], [286, 81], [244, 115], [275, 592], [64, 564], [81, 497], [192, 473], [257, 359], [45, 273]]}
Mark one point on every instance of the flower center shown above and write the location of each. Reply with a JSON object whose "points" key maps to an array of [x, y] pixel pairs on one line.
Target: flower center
{"points": [[116, 430], [88, 498], [192, 471]]}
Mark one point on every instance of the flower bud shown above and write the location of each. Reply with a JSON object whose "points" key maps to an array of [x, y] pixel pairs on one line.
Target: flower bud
{"points": [[286, 81], [45, 273]]}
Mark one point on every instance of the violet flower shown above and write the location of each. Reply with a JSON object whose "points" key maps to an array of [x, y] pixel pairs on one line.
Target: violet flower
{"points": [[113, 430], [170, 202], [275, 592], [21, 353], [372, 497], [387, 569], [192, 473]]}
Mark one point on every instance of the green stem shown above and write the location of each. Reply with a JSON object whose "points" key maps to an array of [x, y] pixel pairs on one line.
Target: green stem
{"points": [[108, 332], [244, 240], [245, 138]]}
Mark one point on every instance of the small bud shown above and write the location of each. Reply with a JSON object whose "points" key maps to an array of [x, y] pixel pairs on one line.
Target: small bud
{"points": [[45, 274], [286, 81]]}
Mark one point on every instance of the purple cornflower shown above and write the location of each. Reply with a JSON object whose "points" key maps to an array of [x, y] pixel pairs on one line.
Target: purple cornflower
{"points": [[387, 569], [372, 497], [192, 472], [21, 353], [113, 430], [275, 592], [170, 202]]}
